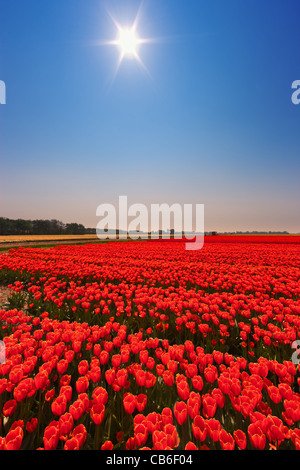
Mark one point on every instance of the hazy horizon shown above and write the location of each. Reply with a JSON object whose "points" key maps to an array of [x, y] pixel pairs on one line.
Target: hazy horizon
{"points": [[111, 229], [207, 119]]}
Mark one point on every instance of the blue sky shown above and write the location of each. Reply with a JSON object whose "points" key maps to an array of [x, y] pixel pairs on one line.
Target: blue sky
{"points": [[211, 122]]}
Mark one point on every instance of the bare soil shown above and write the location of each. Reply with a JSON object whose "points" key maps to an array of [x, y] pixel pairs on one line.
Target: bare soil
{"points": [[4, 294], [13, 244]]}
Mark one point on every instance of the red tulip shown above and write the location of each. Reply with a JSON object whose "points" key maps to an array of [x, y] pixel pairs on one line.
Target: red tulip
{"points": [[16, 374], [95, 374], [77, 409], [140, 434], [274, 394], [226, 440], [213, 428], [97, 413], [65, 424], [79, 433], [121, 377], [197, 383], [172, 435], [51, 437], [210, 373], [83, 367], [191, 370], [168, 377], [199, 428], [129, 402], [108, 445], [183, 389], [193, 406], [62, 366], [31, 425], [141, 401], [66, 391], [131, 443], [257, 437], [59, 405], [209, 406], [166, 416], [14, 438], [143, 356], [49, 395], [190, 446], [116, 360], [82, 384], [72, 444], [160, 440], [180, 412], [240, 439], [9, 408], [104, 356], [41, 379]]}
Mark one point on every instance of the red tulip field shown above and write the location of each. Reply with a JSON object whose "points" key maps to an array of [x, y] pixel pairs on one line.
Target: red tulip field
{"points": [[143, 345]]}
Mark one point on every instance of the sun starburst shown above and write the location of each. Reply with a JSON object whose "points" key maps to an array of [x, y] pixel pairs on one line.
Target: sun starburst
{"points": [[129, 41]]}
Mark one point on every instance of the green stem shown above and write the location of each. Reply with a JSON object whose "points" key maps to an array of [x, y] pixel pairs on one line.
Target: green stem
{"points": [[39, 416], [97, 437]]}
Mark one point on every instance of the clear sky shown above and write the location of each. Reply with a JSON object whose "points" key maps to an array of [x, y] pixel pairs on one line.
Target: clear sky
{"points": [[208, 120]]}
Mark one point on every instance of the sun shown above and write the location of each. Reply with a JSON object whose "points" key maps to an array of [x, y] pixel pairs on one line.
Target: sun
{"points": [[128, 41]]}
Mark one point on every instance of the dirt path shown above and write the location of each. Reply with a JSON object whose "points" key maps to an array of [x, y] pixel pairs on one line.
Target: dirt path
{"points": [[46, 242], [4, 294]]}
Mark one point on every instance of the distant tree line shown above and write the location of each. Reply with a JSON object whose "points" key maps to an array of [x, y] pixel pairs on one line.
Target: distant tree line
{"points": [[41, 227], [256, 232]]}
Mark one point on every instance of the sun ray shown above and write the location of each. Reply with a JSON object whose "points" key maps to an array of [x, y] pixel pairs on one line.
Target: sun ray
{"points": [[138, 15], [143, 66]]}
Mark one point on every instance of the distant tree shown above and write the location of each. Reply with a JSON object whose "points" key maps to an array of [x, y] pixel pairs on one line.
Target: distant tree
{"points": [[22, 227], [90, 231], [41, 227], [5, 226], [75, 229]]}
